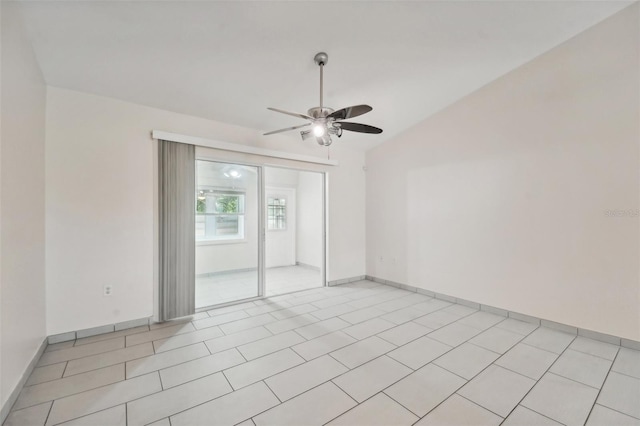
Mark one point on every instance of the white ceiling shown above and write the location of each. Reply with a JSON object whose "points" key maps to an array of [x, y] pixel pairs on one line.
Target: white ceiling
{"points": [[228, 61]]}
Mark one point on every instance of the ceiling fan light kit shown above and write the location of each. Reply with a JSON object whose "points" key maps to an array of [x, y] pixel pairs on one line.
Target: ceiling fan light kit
{"points": [[325, 121]]}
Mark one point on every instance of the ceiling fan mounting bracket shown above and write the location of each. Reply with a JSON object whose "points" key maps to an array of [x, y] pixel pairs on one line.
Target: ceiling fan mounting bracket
{"points": [[321, 58]]}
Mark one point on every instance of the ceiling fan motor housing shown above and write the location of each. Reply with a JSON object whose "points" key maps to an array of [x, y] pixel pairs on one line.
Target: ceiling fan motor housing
{"points": [[318, 112]]}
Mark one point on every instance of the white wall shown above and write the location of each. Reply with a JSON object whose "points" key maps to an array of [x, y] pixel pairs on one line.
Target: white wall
{"points": [[309, 224], [100, 203], [22, 271], [501, 198]]}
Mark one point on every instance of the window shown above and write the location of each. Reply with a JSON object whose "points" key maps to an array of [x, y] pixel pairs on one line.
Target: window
{"points": [[219, 215], [276, 213]]}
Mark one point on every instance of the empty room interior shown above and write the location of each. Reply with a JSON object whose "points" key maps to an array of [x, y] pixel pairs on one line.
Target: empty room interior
{"points": [[319, 213]]}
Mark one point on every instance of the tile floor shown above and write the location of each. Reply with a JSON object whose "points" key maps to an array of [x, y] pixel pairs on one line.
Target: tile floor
{"points": [[231, 287], [358, 354]]}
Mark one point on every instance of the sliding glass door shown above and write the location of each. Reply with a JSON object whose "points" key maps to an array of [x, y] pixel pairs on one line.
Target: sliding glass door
{"points": [[259, 231], [228, 211]]}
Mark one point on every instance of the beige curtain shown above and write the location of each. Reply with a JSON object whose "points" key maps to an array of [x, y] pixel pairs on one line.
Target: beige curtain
{"points": [[176, 167]]}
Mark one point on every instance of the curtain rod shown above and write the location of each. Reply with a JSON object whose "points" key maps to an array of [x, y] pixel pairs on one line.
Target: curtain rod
{"points": [[234, 147]]}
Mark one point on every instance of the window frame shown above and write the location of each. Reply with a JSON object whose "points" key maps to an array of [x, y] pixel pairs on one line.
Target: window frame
{"points": [[286, 212], [239, 237]]}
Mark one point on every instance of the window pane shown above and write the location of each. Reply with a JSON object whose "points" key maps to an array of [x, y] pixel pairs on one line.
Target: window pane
{"points": [[227, 204], [226, 225]]}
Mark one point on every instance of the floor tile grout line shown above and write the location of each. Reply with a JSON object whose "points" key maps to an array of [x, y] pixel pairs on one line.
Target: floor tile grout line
{"points": [[160, 378], [475, 403], [466, 380], [341, 363], [540, 414], [106, 408], [476, 375], [224, 335], [595, 401], [218, 324], [543, 349], [616, 410], [173, 365], [538, 381], [188, 408], [227, 380], [455, 392], [507, 368], [272, 391], [153, 393], [162, 338], [73, 359], [574, 380], [48, 413], [223, 395], [342, 390], [400, 403], [75, 341], [47, 381], [359, 403], [144, 396], [454, 373], [71, 394], [597, 356], [99, 368], [86, 415], [625, 374], [491, 350]]}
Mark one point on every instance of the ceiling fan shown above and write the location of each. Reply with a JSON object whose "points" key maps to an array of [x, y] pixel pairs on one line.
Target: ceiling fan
{"points": [[325, 121]]}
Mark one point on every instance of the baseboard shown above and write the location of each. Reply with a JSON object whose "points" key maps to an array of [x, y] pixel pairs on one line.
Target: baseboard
{"points": [[595, 335], [230, 271], [94, 331], [13, 396], [346, 280], [307, 266]]}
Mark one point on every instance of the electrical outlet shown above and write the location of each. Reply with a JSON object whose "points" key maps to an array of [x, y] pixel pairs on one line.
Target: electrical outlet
{"points": [[108, 290]]}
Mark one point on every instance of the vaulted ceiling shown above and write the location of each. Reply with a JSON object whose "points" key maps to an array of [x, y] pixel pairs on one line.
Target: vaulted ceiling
{"points": [[228, 61]]}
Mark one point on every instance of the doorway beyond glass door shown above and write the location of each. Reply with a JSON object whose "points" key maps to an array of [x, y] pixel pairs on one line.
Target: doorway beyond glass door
{"points": [[294, 230], [227, 228]]}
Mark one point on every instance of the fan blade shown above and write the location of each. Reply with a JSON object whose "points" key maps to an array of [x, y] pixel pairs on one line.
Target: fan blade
{"points": [[295, 114], [349, 112], [287, 129], [357, 127]]}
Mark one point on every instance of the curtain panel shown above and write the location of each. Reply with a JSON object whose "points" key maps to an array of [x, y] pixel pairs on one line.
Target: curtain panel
{"points": [[176, 183]]}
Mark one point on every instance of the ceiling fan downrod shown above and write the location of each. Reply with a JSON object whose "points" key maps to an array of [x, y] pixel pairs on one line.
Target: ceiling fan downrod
{"points": [[321, 59]]}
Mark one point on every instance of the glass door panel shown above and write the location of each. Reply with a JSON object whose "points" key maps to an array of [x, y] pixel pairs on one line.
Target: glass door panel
{"points": [[294, 228], [227, 232]]}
